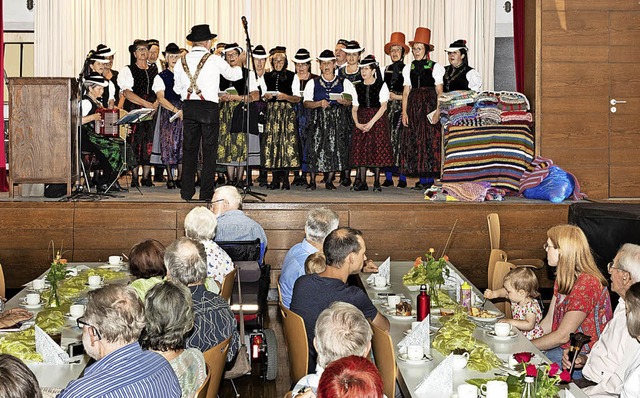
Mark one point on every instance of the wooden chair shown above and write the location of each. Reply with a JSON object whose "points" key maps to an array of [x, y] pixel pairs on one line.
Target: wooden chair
{"points": [[216, 359], [227, 285], [296, 339], [385, 359], [2, 286], [501, 269], [493, 220], [496, 255], [204, 388]]}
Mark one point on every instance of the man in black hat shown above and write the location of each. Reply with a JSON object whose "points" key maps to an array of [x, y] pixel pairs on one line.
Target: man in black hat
{"points": [[197, 79]]}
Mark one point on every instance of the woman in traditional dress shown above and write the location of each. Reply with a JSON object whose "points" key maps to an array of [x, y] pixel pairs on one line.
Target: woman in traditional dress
{"points": [[171, 132], [396, 49], [256, 142], [95, 63], [371, 142], [280, 135], [136, 81], [420, 146], [328, 127], [107, 150], [112, 91], [232, 141], [458, 75], [302, 60]]}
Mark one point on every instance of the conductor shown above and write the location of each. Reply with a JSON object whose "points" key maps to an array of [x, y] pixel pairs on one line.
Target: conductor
{"points": [[197, 79]]}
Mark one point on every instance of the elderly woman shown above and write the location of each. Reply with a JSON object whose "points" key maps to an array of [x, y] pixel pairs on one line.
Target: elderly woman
{"points": [[232, 144], [136, 82], [146, 264], [580, 300], [166, 332], [631, 383], [16, 379], [302, 61], [280, 136], [171, 131], [420, 145], [458, 74], [328, 129], [256, 143], [200, 224], [371, 142]]}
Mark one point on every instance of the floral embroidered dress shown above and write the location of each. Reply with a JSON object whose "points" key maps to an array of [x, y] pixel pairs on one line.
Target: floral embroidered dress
{"points": [[520, 312], [587, 296]]}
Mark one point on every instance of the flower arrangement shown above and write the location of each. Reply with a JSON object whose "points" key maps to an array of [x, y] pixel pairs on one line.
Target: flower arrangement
{"points": [[430, 272], [57, 273], [545, 376]]}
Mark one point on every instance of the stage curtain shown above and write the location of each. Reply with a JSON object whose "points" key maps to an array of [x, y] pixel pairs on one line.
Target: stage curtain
{"points": [[66, 30], [518, 42], [4, 185]]}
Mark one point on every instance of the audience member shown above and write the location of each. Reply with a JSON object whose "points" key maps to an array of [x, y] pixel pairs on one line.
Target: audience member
{"points": [[166, 333], [344, 250], [111, 326], [16, 379], [146, 264], [315, 263], [341, 331], [200, 224], [631, 382], [351, 377], [320, 222], [233, 224], [214, 322]]}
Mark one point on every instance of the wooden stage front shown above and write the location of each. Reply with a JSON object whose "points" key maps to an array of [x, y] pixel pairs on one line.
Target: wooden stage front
{"points": [[396, 222]]}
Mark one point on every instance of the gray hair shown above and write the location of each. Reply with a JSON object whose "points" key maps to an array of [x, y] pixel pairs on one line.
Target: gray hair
{"points": [[200, 224], [341, 331], [16, 379], [629, 260], [186, 261], [168, 310], [116, 312], [231, 195], [320, 223], [632, 300]]}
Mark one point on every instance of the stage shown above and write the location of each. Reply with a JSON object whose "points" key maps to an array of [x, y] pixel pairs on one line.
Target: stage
{"points": [[396, 222]]}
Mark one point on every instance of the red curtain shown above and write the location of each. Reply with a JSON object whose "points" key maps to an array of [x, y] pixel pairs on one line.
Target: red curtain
{"points": [[518, 42], [4, 185]]}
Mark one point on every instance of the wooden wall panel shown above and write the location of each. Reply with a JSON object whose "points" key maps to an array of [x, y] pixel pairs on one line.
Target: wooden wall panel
{"points": [[577, 55], [568, 81], [580, 28]]}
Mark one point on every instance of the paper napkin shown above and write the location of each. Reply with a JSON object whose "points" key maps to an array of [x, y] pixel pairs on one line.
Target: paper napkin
{"points": [[438, 383], [50, 351], [383, 270], [419, 336]]}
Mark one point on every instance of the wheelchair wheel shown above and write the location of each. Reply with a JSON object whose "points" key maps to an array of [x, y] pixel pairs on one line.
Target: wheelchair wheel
{"points": [[271, 351]]}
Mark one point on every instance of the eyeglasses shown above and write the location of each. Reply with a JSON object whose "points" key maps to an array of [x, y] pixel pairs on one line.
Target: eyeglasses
{"points": [[547, 247], [210, 204], [610, 267], [81, 324]]}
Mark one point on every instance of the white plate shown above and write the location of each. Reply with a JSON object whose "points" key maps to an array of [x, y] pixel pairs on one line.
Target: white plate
{"points": [[113, 266], [31, 307], [95, 287], [71, 317], [408, 332], [413, 288], [392, 314], [404, 358], [494, 318], [380, 288], [511, 335]]}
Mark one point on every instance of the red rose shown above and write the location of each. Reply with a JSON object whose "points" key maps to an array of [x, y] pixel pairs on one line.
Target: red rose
{"points": [[522, 357], [532, 370], [565, 376], [553, 369]]}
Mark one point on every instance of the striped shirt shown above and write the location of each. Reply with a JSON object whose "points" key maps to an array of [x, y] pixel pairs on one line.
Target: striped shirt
{"points": [[128, 372]]}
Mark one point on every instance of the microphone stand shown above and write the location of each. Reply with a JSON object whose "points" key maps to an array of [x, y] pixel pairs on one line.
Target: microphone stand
{"points": [[246, 189]]}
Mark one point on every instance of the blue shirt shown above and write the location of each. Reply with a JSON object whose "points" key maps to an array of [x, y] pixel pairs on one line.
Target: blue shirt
{"points": [[128, 372], [293, 268], [234, 225]]}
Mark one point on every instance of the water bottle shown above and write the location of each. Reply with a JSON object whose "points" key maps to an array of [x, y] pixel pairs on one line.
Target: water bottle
{"points": [[465, 295], [424, 303], [529, 390]]}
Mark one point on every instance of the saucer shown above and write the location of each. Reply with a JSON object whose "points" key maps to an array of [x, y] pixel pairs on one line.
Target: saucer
{"points": [[413, 288], [71, 317], [404, 358], [408, 332], [511, 335], [95, 287], [31, 307], [374, 287], [392, 314], [113, 266]]}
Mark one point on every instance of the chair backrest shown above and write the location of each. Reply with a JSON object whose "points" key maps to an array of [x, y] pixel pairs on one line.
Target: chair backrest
{"points": [[289, 394], [296, 340], [216, 358], [241, 250], [2, 286], [493, 220], [385, 359], [495, 256], [502, 268], [204, 388], [227, 284]]}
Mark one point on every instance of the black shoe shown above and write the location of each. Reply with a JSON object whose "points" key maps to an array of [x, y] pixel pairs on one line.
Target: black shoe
{"points": [[361, 187], [388, 183], [376, 187], [135, 183], [178, 183], [329, 185], [419, 187], [171, 184], [158, 178], [102, 188], [311, 186], [221, 180], [274, 185], [402, 184], [285, 184], [147, 182], [345, 182]]}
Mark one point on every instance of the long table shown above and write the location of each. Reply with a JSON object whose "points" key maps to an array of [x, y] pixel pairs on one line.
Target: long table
{"points": [[410, 375]]}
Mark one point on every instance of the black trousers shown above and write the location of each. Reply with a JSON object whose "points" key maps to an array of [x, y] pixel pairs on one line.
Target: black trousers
{"points": [[201, 122]]}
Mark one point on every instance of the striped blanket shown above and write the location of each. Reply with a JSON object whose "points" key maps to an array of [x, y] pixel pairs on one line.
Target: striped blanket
{"points": [[497, 154]]}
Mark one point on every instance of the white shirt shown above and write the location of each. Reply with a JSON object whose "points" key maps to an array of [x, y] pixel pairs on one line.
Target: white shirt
{"points": [[383, 96], [209, 78], [346, 85], [475, 80], [158, 84], [631, 385], [438, 73], [610, 356], [125, 79]]}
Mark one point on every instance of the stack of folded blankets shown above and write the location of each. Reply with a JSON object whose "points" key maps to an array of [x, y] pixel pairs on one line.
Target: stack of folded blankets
{"points": [[488, 108]]}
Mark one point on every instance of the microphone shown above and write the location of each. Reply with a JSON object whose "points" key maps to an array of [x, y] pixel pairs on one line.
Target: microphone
{"points": [[244, 22]]}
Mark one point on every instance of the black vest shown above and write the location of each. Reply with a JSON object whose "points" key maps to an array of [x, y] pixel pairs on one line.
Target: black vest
{"points": [[142, 84], [369, 94], [280, 81], [456, 78], [239, 85], [422, 74], [393, 77]]}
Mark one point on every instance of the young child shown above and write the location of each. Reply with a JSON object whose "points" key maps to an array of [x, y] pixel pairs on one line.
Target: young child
{"points": [[521, 288], [315, 263]]}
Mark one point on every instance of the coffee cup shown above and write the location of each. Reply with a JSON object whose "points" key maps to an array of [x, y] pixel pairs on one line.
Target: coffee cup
{"points": [[380, 281], [95, 280], [415, 352], [495, 389], [460, 360], [37, 284], [76, 310], [115, 260], [467, 391], [392, 301], [502, 329], [32, 299]]}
